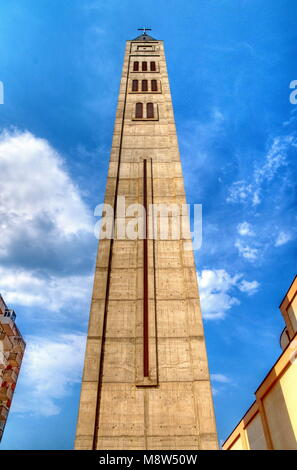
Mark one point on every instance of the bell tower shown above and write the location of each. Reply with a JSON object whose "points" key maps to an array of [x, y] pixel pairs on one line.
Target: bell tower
{"points": [[146, 382]]}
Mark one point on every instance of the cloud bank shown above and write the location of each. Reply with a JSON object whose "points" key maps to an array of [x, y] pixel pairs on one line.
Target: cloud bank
{"points": [[46, 244], [50, 369], [219, 292]]}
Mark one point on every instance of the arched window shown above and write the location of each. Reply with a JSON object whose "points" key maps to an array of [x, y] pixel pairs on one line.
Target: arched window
{"points": [[149, 110], [144, 66], [135, 85], [136, 66], [139, 110], [144, 85], [154, 85], [153, 66]]}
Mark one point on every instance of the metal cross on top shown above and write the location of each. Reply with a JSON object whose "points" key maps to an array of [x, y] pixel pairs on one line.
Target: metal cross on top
{"points": [[144, 30]]}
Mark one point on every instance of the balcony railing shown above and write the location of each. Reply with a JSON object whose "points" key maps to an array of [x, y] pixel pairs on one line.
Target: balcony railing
{"points": [[14, 359], [10, 376], [3, 412], [2, 332], [5, 392], [3, 360], [8, 325], [18, 344], [2, 306], [7, 344]]}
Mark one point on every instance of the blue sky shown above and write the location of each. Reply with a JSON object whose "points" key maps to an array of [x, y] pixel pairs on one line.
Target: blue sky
{"points": [[230, 64]]}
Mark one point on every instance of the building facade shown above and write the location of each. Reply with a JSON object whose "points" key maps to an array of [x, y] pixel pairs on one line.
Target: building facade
{"points": [[146, 381], [271, 421], [12, 347]]}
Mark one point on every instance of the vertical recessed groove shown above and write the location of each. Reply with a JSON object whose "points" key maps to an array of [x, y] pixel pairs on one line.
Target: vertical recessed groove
{"points": [[152, 215], [145, 278], [97, 415]]}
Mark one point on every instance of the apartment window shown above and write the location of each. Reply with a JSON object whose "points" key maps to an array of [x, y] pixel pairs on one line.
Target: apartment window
{"points": [[144, 86], [149, 110], [153, 66], [154, 85], [139, 110], [144, 66], [135, 85], [136, 66]]}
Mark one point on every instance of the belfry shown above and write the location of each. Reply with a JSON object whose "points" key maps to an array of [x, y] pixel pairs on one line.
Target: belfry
{"points": [[146, 382]]}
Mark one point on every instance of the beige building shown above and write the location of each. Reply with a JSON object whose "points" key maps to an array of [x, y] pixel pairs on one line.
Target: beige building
{"points": [[271, 421], [12, 347], [146, 381]]}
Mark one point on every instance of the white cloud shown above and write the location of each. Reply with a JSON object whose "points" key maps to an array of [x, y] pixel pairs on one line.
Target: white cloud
{"points": [[46, 244], [249, 287], [275, 159], [22, 287], [249, 191], [245, 229], [49, 370], [34, 182], [215, 286], [248, 252], [283, 238], [239, 191], [220, 378], [256, 198], [218, 292]]}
